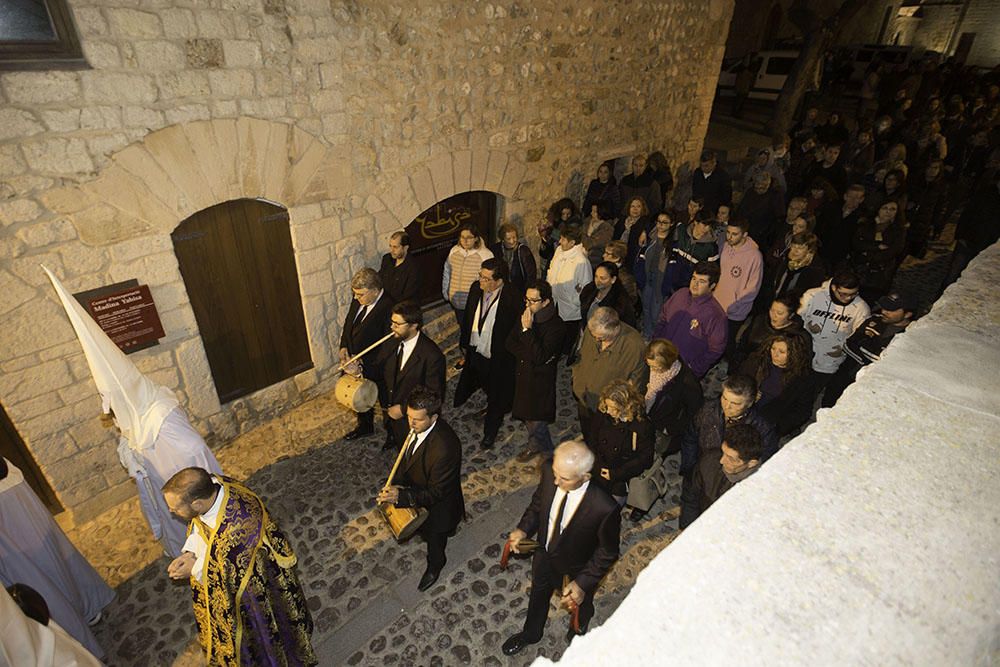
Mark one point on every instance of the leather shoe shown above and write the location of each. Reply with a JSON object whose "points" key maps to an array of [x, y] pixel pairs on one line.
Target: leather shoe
{"points": [[515, 643], [487, 442], [571, 633], [426, 581], [390, 443], [359, 432]]}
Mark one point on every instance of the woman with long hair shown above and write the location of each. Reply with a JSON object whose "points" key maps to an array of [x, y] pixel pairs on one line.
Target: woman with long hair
{"points": [[782, 375], [622, 438], [673, 395]]}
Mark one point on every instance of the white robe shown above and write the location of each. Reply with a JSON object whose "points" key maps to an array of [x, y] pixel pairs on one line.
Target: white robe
{"points": [[177, 446], [35, 551], [26, 643]]}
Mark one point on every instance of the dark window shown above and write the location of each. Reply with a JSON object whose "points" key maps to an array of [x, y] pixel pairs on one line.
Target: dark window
{"points": [[780, 66], [38, 34]]}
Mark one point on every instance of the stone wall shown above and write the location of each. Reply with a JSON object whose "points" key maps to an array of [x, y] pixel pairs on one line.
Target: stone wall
{"points": [[355, 116]]}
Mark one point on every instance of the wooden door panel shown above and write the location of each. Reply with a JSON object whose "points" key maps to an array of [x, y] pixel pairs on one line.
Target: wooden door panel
{"points": [[239, 267]]}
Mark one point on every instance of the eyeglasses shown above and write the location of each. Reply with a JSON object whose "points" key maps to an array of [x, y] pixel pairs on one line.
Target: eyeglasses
{"points": [[398, 324], [530, 300]]}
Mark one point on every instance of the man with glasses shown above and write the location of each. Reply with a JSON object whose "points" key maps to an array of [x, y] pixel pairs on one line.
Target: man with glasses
{"points": [[490, 314], [536, 345], [831, 313], [408, 360], [367, 321]]}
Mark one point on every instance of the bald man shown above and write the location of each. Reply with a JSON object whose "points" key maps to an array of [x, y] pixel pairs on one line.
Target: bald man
{"points": [[578, 525], [248, 603]]}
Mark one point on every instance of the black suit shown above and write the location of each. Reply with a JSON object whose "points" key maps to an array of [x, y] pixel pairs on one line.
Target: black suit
{"points": [[586, 549], [401, 282], [496, 374], [432, 478], [359, 334], [425, 366]]}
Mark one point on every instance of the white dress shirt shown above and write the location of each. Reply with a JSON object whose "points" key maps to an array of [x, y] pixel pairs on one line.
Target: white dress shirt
{"points": [[196, 543], [421, 437], [572, 502], [408, 346]]}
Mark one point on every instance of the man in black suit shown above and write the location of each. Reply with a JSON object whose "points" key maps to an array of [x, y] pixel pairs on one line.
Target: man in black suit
{"points": [[490, 313], [430, 476], [578, 526], [367, 321], [398, 272], [408, 360]]}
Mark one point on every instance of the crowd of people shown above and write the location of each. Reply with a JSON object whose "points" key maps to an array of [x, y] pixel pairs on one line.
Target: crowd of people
{"points": [[786, 288]]}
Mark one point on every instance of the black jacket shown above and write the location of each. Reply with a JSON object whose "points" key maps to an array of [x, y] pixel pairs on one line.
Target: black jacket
{"points": [[709, 483], [715, 190], [356, 336], [432, 478], [676, 404], [522, 271], [588, 546], [425, 366], [791, 408], [536, 352], [643, 224], [501, 376], [709, 429], [613, 447], [616, 298], [401, 282]]}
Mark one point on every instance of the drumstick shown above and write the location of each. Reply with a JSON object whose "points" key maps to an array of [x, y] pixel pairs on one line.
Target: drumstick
{"points": [[365, 351]]}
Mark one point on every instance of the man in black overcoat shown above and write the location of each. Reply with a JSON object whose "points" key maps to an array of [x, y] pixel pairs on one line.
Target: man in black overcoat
{"points": [[400, 274], [536, 345], [409, 359], [491, 312], [578, 527], [367, 321], [430, 476]]}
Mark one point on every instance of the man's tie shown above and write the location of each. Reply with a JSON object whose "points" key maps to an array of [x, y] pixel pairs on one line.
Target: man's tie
{"points": [[362, 311], [557, 528], [399, 361], [411, 440]]}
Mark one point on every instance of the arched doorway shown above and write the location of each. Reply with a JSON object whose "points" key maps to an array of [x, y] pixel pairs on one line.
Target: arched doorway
{"points": [[434, 232], [238, 265]]}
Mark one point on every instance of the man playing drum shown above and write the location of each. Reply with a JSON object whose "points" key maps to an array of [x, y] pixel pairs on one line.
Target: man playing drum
{"points": [[367, 321], [429, 475], [408, 360]]}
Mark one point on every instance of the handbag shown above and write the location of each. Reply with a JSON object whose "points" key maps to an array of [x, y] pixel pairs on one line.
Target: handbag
{"points": [[646, 488]]}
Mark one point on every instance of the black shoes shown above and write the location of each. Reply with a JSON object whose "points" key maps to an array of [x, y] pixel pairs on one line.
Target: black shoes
{"points": [[487, 442], [359, 432], [390, 443], [426, 581], [572, 633], [515, 643]]}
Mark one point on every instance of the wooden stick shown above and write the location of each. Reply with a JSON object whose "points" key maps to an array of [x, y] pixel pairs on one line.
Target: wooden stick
{"points": [[395, 466], [364, 351]]}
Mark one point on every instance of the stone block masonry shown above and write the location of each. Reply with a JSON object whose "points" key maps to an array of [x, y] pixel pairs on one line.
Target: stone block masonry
{"points": [[354, 116]]}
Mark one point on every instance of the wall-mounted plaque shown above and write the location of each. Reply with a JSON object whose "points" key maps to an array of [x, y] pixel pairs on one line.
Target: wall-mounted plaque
{"points": [[126, 313]]}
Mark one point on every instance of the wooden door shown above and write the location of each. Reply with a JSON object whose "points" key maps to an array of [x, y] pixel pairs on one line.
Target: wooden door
{"points": [[434, 232], [239, 269], [12, 448]]}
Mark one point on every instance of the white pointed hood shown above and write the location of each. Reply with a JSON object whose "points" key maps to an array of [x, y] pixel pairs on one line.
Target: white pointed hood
{"points": [[139, 404]]}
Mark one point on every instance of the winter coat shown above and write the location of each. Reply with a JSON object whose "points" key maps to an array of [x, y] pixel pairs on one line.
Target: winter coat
{"points": [[644, 186], [875, 265], [616, 298], [536, 353], [643, 225], [568, 274], [763, 212], [716, 189], [675, 405], [625, 359], [522, 270], [830, 324], [613, 449], [461, 270], [708, 430], [606, 194], [793, 405], [685, 254]]}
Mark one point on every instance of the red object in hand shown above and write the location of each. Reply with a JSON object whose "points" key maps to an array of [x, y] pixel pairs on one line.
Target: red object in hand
{"points": [[505, 556]]}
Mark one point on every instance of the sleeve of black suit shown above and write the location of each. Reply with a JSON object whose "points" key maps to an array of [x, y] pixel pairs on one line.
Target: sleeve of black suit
{"points": [[530, 520], [436, 374], [345, 339], [606, 553], [445, 468]]}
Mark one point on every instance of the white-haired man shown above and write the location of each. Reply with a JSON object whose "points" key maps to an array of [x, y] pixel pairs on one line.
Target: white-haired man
{"points": [[578, 526]]}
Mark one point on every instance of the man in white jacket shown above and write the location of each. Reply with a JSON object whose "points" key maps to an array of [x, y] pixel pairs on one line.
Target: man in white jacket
{"points": [[568, 274], [831, 313]]}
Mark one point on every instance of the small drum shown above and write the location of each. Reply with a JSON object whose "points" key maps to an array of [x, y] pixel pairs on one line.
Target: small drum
{"points": [[403, 521], [358, 394]]}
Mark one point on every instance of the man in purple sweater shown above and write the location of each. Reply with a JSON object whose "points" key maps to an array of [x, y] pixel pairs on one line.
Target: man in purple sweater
{"points": [[694, 321]]}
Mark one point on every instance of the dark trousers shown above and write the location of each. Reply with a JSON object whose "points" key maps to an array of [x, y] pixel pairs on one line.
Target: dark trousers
{"points": [[539, 438], [436, 543], [729, 354], [479, 366], [840, 381], [818, 382], [397, 428], [545, 581], [366, 420]]}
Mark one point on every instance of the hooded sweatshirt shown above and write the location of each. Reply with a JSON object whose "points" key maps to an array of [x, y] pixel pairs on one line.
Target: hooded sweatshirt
{"points": [[830, 325], [742, 272]]}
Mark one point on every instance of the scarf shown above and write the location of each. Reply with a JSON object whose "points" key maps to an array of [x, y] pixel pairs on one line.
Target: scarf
{"points": [[795, 266], [658, 380]]}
